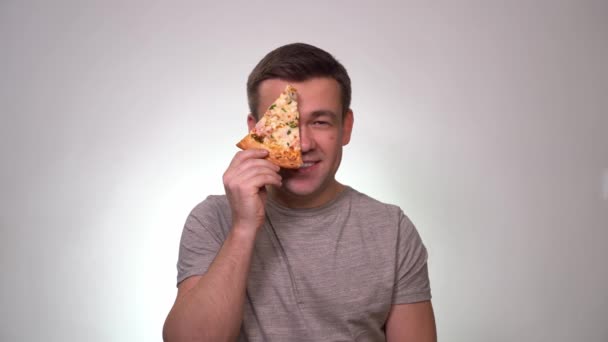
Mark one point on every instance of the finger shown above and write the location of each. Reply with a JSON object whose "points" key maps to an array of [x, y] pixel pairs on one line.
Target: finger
{"points": [[252, 173], [263, 194], [254, 163], [261, 180], [253, 186], [242, 180], [241, 156], [240, 163]]}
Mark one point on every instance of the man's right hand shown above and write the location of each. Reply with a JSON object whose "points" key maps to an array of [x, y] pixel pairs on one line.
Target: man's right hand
{"points": [[244, 182]]}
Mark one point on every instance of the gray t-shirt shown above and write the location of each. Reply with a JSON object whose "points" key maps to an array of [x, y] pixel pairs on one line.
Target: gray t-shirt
{"points": [[323, 274]]}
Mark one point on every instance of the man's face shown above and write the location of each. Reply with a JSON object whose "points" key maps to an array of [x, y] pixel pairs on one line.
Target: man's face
{"points": [[323, 132]]}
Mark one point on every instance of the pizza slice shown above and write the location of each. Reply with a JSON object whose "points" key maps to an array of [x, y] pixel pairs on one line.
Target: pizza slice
{"points": [[278, 131]]}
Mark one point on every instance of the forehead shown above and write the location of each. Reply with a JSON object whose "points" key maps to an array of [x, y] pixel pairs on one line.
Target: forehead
{"points": [[320, 93]]}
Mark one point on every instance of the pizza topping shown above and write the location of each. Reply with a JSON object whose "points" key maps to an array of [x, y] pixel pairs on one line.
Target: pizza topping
{"points": [[257, 138]]}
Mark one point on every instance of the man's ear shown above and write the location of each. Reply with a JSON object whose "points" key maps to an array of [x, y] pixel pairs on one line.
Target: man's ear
{"points": [[251, 121], [347, 126]]}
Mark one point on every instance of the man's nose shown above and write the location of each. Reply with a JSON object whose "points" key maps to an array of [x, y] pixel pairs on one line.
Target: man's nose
{"points": [[307, 141]]}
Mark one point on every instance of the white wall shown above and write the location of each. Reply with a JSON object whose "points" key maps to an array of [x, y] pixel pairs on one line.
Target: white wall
{"points": [[485, 121]]}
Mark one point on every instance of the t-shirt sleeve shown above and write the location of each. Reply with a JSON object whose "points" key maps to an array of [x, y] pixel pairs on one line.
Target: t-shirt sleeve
{"points": [[412, 283], [200, 241]]}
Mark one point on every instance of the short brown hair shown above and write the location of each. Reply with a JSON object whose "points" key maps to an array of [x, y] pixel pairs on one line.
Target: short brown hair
{"points": [[297, 62]]}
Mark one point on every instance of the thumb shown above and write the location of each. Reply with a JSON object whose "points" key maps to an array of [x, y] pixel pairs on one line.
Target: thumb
{"points": [[263, 194]]}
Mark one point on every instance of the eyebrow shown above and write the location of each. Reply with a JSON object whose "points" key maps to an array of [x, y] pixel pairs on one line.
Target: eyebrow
{"points": [[324, 112]]}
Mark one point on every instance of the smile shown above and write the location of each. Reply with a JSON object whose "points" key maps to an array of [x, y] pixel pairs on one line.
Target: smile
{"points": [[306, 165]]}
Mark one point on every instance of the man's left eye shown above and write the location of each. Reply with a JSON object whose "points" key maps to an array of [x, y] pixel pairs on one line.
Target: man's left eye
{"points": [[320, 123]]}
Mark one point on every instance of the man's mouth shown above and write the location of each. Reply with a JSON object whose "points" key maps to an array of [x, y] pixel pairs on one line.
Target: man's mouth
{"points": [[306, 165], [304, 169]]}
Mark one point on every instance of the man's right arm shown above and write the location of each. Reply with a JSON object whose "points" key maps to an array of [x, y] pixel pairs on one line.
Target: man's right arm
{"points": [[210, 307]]}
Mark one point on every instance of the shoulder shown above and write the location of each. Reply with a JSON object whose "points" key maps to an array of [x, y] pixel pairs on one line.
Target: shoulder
{"points": [[213, 203], [372, 206], [213, 212], [380, 214]]}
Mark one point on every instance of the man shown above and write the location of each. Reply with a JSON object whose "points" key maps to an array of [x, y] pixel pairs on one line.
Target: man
{"points": [[294, 255]]}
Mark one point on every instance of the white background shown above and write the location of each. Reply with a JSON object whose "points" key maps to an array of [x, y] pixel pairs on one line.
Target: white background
{"points": [[486, 121]]}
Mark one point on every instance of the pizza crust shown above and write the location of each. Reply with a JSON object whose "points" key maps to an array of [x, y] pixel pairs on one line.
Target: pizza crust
{"points": [[285, 158], [288, 159]]}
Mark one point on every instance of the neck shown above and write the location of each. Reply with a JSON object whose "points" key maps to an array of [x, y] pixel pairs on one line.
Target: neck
{"points": [[313, 200]]}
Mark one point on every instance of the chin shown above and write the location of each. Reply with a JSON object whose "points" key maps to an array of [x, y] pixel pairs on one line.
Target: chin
{"points": [[300, 188]]}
